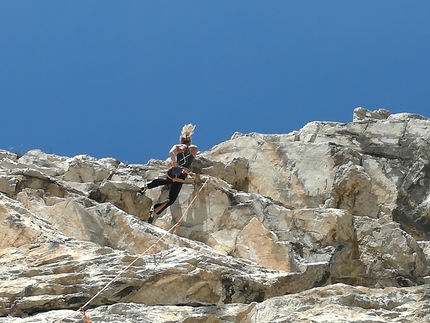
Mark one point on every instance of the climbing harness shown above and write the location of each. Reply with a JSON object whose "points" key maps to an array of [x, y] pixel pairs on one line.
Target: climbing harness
{"points": [[176, 174], [151, 249]]}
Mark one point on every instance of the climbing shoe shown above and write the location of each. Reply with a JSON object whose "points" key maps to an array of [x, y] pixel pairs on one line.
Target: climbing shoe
{"points": [[151, 215], [142, 190]]}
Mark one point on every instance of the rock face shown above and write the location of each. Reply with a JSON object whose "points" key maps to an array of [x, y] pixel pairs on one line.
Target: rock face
{"points": [[326, 224]]}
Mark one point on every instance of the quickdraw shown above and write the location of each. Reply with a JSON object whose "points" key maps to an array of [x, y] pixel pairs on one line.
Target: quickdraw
{"points": [[86, 318]]}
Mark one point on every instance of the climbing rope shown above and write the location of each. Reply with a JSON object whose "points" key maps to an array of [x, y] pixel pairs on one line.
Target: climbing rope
{"points": [[152, 247]]}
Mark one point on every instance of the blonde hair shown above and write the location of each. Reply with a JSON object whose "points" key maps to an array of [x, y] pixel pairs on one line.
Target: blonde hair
{"points": [[187, 131]]}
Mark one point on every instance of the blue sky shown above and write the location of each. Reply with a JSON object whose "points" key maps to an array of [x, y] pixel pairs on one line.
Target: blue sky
{"points": [[120, 78]]}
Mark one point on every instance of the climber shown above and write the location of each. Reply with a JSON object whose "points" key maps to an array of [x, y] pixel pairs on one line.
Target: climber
{"points": [[181, 155]]}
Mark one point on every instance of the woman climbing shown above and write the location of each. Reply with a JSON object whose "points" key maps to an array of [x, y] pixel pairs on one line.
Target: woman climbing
{"points": [[182, 156]]}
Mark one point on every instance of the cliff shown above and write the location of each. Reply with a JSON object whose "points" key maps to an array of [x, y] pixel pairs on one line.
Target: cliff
{"points": [[326, 224]]}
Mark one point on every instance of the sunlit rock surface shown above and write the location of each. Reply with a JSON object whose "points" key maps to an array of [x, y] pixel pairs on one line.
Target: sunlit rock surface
{"points": [[329, 223]]}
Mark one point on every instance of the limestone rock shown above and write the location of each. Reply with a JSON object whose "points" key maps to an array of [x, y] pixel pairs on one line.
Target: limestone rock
{"points": [[343, 303], [371, 167], [364, 114], [329, 223], [337, 303]]}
